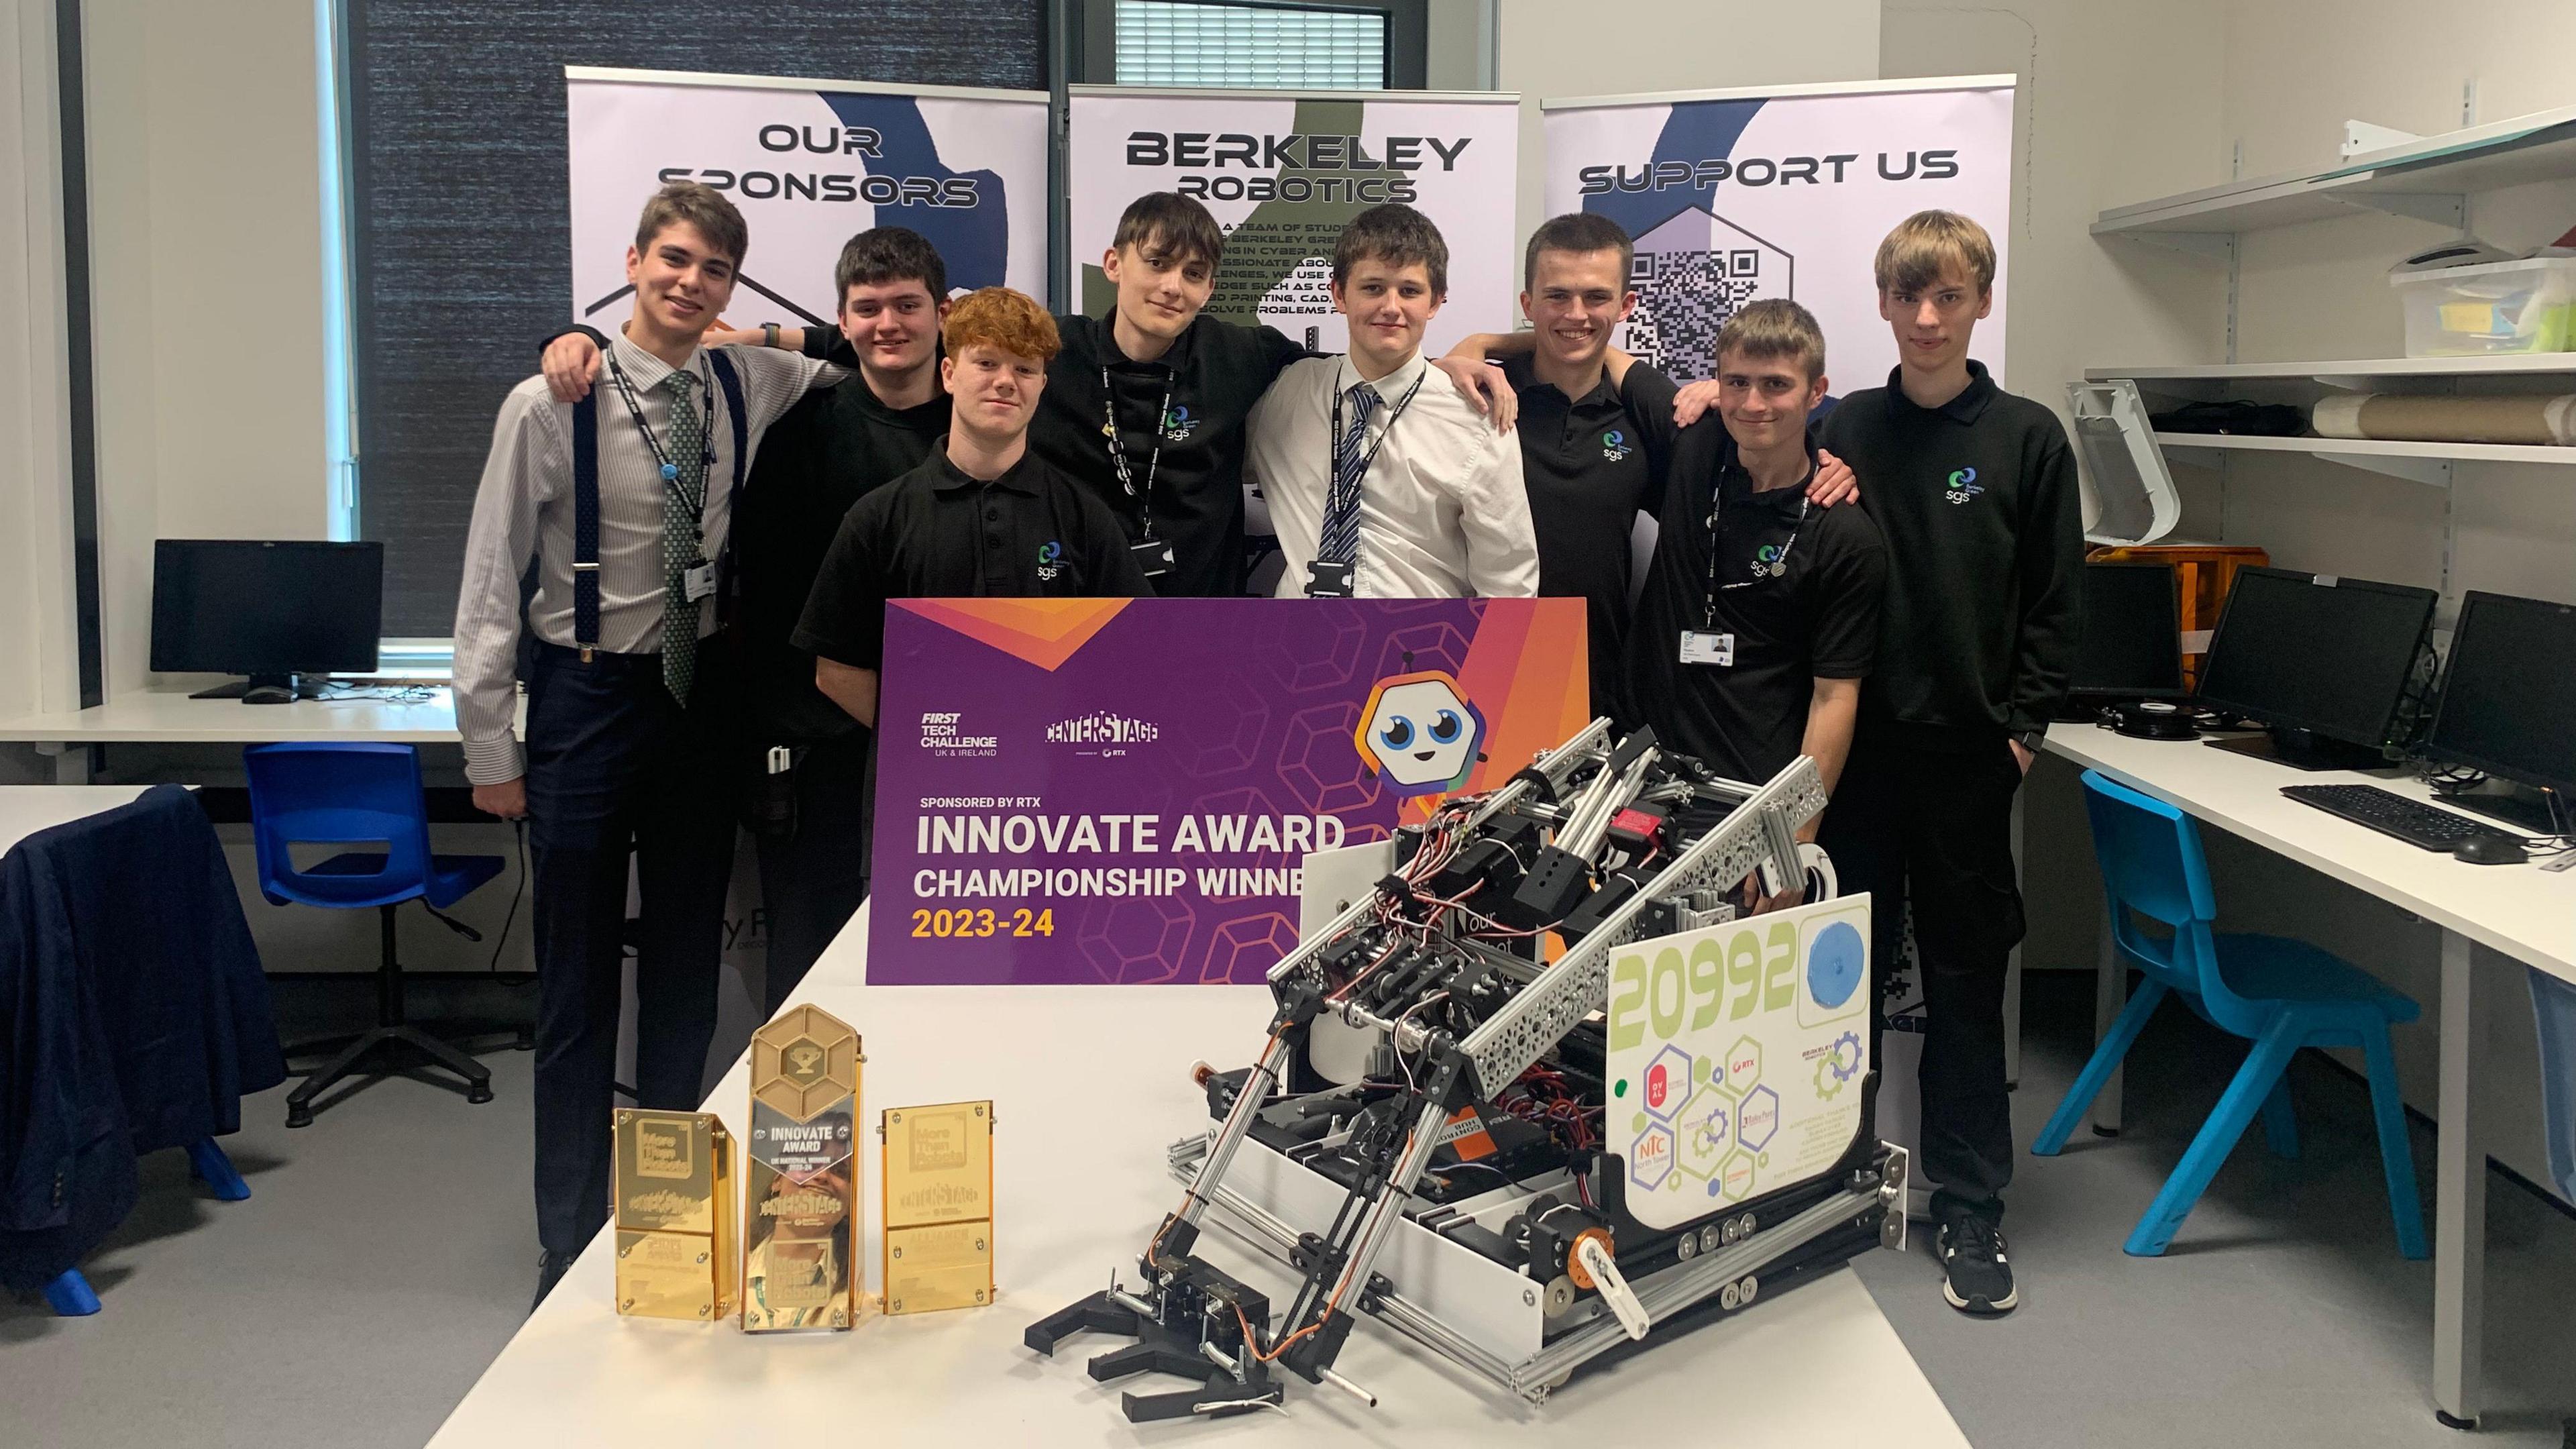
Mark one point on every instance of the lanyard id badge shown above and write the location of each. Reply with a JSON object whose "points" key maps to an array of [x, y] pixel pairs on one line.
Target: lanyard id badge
{"points": [[1706, 646], [698, 580], [1341, 580], [1153, 555], [669, 467]]}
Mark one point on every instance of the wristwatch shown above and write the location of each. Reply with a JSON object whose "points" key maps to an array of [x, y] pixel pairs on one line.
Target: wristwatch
{"points": [[769, 334]]}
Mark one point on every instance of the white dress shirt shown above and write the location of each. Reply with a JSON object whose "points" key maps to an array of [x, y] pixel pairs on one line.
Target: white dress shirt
{"points": [[1442, 510], [523, 507]]}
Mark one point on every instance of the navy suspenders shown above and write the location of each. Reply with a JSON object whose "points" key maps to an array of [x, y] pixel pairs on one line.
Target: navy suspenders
{"points": [[585, 500]]}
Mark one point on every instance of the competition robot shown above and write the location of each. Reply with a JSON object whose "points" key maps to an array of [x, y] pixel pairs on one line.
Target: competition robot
{"points": [[1526, 1165]]}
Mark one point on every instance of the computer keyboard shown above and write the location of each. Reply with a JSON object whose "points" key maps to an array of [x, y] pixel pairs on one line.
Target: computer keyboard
{"points": [[2411, 821]]}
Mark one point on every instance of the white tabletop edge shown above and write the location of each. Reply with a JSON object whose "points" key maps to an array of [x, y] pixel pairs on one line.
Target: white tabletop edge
{"points": [[2245, 800]]}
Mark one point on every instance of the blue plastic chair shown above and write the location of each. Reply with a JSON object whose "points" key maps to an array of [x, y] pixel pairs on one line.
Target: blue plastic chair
{"points": [[69, 1293], [2277, 993], [336, 793]]}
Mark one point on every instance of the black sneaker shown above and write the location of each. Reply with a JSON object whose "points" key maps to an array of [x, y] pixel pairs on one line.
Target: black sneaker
{"points": [[550, 1270], [1979, 1276]]}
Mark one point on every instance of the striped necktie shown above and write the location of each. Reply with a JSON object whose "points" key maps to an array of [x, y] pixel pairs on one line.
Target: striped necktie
{"points": [[1339, 542], [680, 536]]}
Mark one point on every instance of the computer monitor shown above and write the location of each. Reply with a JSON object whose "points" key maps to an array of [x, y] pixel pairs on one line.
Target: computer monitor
{"points": [[2131, 647], [267, 610], [2508, 704], [2322, 661]]}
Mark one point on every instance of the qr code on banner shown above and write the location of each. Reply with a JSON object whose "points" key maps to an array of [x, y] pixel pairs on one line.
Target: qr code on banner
{"points": [[1684, 297]]}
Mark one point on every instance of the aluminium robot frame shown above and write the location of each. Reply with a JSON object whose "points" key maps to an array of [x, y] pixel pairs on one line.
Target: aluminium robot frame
{"points": [[1453, 1183]]}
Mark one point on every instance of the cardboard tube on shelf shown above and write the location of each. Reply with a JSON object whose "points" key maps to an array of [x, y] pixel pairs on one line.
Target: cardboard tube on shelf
{"points": [[2539, 419]]}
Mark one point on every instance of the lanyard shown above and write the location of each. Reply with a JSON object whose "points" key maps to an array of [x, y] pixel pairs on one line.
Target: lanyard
{"points": [[1773, 567], [696, 502], [1401, 404], [1143, 500]]}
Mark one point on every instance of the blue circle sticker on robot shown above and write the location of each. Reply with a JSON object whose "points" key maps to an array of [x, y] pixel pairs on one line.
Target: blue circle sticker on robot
{"points": [[1834, 964]]}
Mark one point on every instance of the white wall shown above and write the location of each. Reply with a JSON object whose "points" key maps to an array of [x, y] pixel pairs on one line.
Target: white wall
{"points": [[206, 255], [1552, 49], [38, 669]]}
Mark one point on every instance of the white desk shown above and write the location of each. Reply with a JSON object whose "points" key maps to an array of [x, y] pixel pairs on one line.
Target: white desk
{"points": [[26, 809], [2517, 911], [1091, 1087], [151, 716]]}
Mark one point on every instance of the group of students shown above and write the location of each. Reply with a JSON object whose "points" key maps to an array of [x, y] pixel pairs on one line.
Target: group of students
{"points": [[715, 521]]}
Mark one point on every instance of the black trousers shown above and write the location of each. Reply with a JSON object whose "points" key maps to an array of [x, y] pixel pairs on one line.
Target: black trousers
{"points": [[1934, 818], [813, 877], [614, 765]]}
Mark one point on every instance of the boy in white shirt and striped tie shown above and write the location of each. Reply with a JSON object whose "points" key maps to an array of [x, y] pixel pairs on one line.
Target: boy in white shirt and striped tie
{"points": [[1379, 486]]}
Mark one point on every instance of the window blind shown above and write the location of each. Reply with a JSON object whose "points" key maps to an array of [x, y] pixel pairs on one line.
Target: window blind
{"points": [[459, 228], [1284, 47]]}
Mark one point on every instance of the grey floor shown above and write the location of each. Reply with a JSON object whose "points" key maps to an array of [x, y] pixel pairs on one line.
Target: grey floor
{"points": [[387, 1254]]}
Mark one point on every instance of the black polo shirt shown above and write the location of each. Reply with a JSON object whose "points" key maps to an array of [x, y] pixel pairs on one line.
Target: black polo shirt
{"points": [[1817, 620], [1214, 372], [835, 446], [1985, 527], [936, 533], [1586, 465]]}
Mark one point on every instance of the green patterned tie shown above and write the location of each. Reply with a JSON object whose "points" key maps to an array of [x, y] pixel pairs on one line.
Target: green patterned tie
{"points": [[680, 536]]}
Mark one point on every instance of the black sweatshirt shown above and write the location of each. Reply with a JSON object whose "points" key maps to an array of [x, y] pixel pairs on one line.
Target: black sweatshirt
{"points": [[835, 446], [1985, 547], [1214, 372]]}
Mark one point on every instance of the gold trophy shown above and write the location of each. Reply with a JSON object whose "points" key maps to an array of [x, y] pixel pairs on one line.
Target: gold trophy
{"points": [[801, 1227], [938, 1183], [675, 1212]]}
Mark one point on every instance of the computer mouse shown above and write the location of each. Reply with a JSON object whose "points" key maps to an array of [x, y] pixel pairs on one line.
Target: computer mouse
{"points": [[268, 694], [2489, 849]]}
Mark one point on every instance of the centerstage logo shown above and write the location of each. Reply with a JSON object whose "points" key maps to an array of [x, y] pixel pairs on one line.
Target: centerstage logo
{"points": [[1102, 728], [1963, 486], [1614, 445]]}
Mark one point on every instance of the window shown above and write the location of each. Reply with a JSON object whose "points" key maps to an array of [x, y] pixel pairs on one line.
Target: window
{"points": [[1281, 47], [457, 230]]}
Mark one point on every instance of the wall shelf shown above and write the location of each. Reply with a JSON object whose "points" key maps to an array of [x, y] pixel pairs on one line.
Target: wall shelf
{"points": [[2427, 463], [2346, 371], [2423, 178]]}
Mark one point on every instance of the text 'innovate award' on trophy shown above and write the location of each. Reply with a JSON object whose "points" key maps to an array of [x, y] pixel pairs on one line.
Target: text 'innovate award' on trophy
{"points": [[800, 1236], [938, 1206], [675, 1210]]}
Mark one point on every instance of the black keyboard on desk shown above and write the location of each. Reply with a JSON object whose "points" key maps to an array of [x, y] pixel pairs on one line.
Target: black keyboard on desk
{"points": [[2411, 821]]}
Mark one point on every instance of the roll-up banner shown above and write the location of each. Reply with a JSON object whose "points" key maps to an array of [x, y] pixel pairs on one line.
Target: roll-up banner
{"points": [[1283, 172], [1783, 191], [810, 163]]}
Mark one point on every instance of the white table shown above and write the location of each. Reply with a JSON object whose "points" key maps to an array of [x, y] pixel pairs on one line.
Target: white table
{"points": [[155, 716], [1091, 1087], [2519, 912], [26, 809]]}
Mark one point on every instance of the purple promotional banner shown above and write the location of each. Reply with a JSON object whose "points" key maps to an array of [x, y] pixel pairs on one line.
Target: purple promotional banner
{"points": [[1099, 790]]}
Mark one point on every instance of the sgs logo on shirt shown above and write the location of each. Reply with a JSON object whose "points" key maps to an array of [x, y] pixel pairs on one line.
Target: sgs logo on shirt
{"points": [[1614, 446], [1963, 486], [1178, 424], [1050, 561]]}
